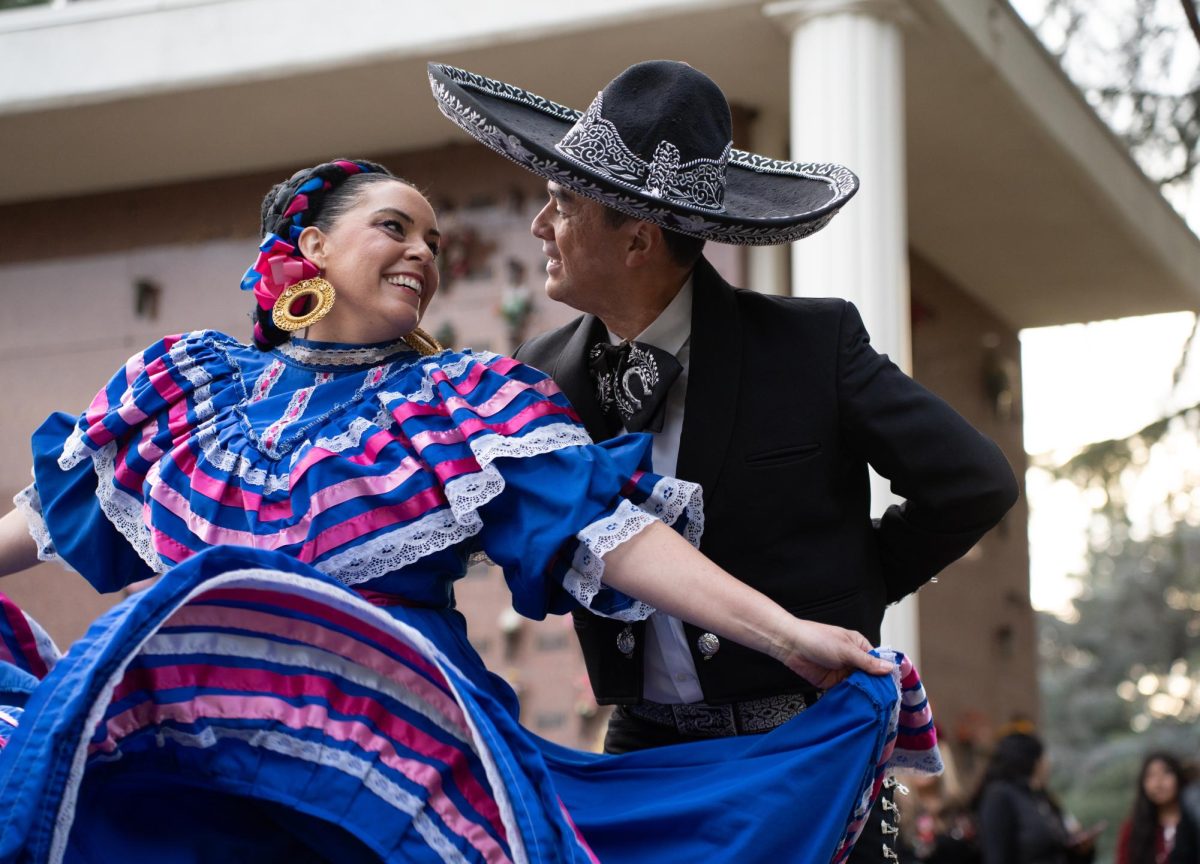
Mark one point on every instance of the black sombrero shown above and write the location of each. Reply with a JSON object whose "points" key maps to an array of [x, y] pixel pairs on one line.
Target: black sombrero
{"points": [[657, 144]]}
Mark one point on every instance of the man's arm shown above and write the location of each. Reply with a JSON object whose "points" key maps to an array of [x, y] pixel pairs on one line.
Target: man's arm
{"points": [[955, 481]]}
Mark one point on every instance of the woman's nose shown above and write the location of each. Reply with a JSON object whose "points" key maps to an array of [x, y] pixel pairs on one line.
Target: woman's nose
{"points": [[419, 252]]}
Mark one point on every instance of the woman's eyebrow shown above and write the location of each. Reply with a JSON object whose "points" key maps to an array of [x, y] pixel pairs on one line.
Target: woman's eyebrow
{"points": [[392, 211]]}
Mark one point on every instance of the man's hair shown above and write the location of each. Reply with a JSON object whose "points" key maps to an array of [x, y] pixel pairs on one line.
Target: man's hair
{"points": [[684, 250]]}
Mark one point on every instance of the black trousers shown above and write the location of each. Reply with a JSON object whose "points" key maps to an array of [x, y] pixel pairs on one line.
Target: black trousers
{"points": [[627, 733]]}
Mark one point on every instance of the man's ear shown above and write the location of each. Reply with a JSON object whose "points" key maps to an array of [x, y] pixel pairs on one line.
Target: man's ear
{"points": [[644, 242], [311, 244]]}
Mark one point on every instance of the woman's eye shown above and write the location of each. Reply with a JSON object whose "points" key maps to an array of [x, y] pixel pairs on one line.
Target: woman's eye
{"points": [[393, 225], [434, 248]]}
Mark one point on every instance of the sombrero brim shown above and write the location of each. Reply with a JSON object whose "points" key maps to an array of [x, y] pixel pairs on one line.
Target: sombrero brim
{"points": [[767, 201]]}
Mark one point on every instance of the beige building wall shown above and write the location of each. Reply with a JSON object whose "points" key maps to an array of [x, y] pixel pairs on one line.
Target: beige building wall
{"points": [[978, 634]]}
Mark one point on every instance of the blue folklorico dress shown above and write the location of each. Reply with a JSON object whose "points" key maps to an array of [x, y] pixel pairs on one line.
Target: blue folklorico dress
{"points": [[297, 685]]}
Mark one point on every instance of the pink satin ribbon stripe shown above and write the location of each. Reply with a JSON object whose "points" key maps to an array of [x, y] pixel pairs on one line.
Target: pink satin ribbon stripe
{"points": [[26, 643], [230, 495], [336, 617], [583, 844], [331, 538], [394, 665], [369, 455], [214, 707], [468, 426], [267, 684]]}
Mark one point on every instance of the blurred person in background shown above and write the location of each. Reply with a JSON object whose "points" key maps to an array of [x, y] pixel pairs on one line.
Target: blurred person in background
{"points": [[936, 825], [1017, 820], [1149, 834]]}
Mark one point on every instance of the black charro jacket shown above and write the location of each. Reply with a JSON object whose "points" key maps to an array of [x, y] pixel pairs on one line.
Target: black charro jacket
{"points": [[787, 404]]}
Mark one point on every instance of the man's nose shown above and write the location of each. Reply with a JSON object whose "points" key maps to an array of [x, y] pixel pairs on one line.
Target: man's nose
{"points": [[538, 228]]}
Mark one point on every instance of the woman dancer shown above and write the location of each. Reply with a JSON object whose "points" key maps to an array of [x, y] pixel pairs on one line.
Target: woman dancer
{"points": [[265, 480]]}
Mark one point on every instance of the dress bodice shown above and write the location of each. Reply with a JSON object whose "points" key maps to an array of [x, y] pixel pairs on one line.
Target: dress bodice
{"points": [[374, 464]]}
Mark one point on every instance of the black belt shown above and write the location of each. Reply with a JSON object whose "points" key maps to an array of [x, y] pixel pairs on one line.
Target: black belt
{"points": [[713, 721]]}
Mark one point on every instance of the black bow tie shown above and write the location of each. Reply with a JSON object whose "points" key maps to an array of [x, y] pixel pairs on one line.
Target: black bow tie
{"points": [[632, 380]]}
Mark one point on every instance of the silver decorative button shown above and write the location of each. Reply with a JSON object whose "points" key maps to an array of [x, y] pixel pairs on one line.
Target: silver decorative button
{"points": [[708, 645], [626, 641]]}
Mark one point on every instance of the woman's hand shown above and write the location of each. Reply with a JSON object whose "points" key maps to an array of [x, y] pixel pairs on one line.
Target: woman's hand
{"points": [[825, 655]]}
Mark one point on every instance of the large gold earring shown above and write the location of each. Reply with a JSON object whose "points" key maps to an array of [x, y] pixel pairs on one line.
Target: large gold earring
{"points": [[322, 294], [422, 342]]}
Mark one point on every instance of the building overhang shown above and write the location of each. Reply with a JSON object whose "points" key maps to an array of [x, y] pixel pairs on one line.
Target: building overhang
{"points": [[1016, 190]]}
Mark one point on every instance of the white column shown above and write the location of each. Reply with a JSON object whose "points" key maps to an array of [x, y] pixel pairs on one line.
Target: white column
{"points": [[847, 106]]}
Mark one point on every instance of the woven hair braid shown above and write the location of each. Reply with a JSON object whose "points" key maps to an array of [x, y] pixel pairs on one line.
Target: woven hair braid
{"points": [[312, 196]]}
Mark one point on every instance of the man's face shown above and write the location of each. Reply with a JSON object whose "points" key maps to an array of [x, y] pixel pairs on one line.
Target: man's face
{"points": [[586, 255]]}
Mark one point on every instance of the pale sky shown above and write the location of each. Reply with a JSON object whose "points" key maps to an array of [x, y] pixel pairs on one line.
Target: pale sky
{"points": [[1092, 382]]}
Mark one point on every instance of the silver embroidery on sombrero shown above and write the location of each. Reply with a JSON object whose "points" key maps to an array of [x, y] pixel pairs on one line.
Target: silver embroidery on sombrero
{"points": [[840, 180], [595, 143]]}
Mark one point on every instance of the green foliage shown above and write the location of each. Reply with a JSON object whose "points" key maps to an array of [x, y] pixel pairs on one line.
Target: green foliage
{"points": [[1128, 58], [1122, 677]]}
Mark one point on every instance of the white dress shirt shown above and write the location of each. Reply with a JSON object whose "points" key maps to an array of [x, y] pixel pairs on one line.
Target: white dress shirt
{"points": [[670, 673]]}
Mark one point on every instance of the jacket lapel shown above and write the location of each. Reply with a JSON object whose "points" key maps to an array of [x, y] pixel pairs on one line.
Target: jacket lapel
{"points": [[571, 374], [714, 375]]}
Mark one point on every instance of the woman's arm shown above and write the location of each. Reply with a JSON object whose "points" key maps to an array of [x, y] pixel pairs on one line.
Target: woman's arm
{"points": [[18, 550], [662, 569]]}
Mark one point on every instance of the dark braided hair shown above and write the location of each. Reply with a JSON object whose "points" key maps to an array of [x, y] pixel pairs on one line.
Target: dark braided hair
{"points": [[315, 196]]}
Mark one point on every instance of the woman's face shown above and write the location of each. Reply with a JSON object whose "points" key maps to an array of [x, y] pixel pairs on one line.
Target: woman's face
{"points": [[381, 257], [1159, 783]]}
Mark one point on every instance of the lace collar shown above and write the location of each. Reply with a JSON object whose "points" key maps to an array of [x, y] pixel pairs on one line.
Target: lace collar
{"points": [[304, 352]]}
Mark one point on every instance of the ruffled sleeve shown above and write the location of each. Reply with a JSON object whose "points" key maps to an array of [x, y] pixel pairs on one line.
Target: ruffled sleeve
{"points": [[86, 505], [545, 502]]}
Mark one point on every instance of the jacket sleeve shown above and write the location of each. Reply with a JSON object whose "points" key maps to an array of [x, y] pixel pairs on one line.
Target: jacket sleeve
{"points": [[955, 482]]}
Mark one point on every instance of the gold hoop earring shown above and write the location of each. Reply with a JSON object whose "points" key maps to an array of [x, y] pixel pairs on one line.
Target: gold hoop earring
{"points": [[319, 288], [422, 342]]}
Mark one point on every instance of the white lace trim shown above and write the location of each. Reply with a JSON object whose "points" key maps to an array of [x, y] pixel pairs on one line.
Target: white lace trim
{"points": [[358, 356], [29, 503], [397, 549], [122, 509], [74, 450], [354, 433], [267, 380], [672, 497], [236, 463], [545, 439], [583, 580], [444, 528], [186, 364], [669, 500], [452, 370], [46, 648]]}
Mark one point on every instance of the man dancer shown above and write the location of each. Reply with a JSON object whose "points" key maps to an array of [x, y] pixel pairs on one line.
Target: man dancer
{"points": [[776, 406]]}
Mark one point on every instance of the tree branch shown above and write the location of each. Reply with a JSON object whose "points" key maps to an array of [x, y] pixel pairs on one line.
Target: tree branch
{"points": [[1193, 17]]}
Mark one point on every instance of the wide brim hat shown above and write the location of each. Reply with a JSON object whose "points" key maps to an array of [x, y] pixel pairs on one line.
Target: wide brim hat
{"points": [[656, 144]]}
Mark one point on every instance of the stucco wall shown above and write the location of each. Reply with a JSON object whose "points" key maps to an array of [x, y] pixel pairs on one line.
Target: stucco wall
{"points": [[978, 639]]}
